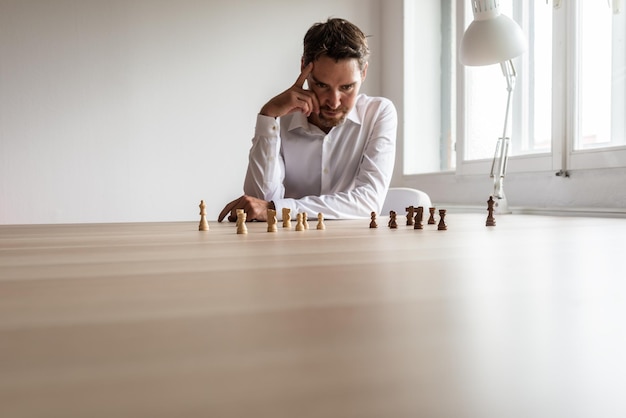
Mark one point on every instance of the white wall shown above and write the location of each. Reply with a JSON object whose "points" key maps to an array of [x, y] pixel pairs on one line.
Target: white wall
{"points": [[134, 110]]}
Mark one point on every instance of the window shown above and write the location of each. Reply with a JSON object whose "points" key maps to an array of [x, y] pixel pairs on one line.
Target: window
{"points": [[568, 102], [486, 91], [602, 74]]}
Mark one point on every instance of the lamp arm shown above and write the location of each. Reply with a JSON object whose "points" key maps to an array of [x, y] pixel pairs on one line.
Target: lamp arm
{"points": [[502, 146]]}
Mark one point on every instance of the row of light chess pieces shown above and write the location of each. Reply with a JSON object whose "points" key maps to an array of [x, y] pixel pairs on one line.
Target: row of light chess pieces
{"points": [[414, 218], [302, 223]]}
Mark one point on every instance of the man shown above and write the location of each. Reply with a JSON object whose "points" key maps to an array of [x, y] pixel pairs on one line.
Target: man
{"points": [[325, 148]]}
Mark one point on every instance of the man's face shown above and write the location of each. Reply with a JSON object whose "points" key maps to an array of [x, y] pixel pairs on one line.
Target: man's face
{"points": [[336, 85]]}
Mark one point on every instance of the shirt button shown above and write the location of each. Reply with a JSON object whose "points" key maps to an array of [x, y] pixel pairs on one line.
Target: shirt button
{"points": [[326, 171]]}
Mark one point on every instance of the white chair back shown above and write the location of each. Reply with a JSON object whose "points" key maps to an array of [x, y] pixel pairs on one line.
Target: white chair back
{"points": [[400, 198]]}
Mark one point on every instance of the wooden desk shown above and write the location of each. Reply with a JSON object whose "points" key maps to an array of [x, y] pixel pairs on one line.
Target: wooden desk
{"points": [[526, 319]]}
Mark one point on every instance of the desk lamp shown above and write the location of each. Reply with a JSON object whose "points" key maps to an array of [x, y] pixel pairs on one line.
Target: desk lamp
{"points": [[493, 38]]}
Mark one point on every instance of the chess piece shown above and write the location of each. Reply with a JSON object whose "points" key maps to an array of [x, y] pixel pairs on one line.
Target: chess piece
{"points": [[286, 218], [299, 223], [409, 215], [204, 225], [392, 220], [442, 223], [431, 219], [320, 221], [305, 221], [241, 222], [419, 216], [271, 221], [373, 223], [490, 219], [239, 213]]}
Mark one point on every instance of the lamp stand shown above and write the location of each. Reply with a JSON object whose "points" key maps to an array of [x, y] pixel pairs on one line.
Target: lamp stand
{"points": [[501, 155]]}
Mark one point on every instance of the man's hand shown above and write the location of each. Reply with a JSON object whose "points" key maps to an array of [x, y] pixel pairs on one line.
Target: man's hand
{"points": [[256, 209], [295, 98]]}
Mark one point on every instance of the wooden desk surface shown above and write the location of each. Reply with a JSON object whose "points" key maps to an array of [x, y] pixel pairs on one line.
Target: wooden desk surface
{"points": [[526, 319]]}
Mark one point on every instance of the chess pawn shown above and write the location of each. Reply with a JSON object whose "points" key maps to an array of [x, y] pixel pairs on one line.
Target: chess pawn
{"points": [[490, 219], [241, 222], [373, 223], [305, 221], [431, 219], [299, 224], [286, 218], [419, 216], [392, 220], [320, 221], [204, 225], [271, 221], [442, 223]]}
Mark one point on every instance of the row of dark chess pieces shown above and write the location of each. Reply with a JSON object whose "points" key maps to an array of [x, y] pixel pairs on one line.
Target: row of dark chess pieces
{"points": [[414, 218]]}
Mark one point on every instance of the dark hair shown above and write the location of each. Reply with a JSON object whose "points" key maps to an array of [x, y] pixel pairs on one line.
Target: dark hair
{"points": [[336, 38]]}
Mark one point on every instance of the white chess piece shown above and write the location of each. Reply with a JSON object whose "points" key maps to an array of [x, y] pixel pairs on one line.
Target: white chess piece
{"points": [[204, 225], [286, 218], [320, 221], [241, 222], [271, 221], [299, 223]]}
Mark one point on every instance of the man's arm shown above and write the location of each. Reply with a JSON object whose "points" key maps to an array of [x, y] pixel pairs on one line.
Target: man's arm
{"points": [[265, 168]]}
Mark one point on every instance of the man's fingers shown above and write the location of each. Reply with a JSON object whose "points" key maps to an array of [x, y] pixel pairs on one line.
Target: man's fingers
{"points": [[229, 207], [255, 213], [303, 75], [310, 103]]}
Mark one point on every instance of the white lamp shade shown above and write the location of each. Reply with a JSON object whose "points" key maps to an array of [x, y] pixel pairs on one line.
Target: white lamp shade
{"points": [[492, 37]]}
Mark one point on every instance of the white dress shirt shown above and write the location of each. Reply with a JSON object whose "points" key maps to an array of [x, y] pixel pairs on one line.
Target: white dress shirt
{"points": [[343, 174]]}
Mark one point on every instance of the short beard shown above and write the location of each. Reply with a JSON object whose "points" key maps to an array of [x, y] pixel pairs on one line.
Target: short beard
{"points": [[331, 123]]}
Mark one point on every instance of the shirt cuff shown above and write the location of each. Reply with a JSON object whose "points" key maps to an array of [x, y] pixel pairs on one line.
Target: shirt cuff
{"points": [[281, 204], [267, 126]]}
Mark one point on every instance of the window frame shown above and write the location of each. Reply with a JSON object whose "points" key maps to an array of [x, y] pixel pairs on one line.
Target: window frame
{"points": [[565, 95]]}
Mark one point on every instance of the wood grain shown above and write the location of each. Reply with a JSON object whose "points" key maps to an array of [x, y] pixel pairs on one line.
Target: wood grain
{"points": [[525, 319]]}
